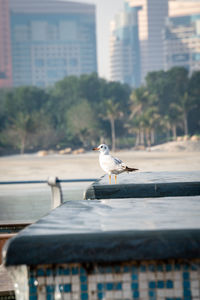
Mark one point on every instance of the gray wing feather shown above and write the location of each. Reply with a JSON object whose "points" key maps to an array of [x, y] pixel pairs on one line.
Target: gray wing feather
{"points": [[119, 162]]}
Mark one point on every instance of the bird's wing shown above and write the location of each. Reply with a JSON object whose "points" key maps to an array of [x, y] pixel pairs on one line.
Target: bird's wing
{"points": [[110, 163], [118, 162]]}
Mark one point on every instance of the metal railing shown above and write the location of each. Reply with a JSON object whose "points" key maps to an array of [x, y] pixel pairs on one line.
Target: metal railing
{"points": [[54, 183]]}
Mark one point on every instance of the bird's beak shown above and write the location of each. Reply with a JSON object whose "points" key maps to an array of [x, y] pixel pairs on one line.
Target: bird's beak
{"points": [[95, 149]]}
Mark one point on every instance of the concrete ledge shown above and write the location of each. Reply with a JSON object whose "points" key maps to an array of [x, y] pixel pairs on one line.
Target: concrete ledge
{"points": [[143, 190], [146, 185], [102, 231]]}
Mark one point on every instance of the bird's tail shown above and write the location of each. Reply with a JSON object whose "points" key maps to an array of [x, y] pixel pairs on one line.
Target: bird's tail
{"points": [[131, 169]]}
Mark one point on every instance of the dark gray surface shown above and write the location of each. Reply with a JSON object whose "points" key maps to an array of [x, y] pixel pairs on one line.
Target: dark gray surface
{"points": [[146, 184], [109, 231]]}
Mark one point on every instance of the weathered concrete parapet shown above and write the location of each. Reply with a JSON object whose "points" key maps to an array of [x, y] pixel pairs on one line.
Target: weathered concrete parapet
{"points": [[110, 249], [145, 185]]}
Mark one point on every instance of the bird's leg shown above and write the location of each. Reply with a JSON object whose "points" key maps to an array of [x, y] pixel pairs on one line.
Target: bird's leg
{"points": [[109, 179], [115, 179]]}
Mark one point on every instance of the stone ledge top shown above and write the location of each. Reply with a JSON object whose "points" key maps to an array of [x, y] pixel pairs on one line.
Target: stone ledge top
{"points": [[108, 231]]}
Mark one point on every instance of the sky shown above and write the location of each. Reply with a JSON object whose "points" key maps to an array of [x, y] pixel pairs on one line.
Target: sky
{"points": [[105, 11]]}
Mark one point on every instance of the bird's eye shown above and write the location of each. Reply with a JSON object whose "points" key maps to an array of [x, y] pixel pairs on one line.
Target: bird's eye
{"points": [[101, 146]]}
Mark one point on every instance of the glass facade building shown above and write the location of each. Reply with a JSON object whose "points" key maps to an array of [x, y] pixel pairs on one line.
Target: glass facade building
{"points": [[182, 42], [124, 47], [151, 22], [50, 40], [183, 7], [5, 47]]}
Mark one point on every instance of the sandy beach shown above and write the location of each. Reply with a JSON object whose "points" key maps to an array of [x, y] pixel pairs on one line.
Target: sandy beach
{"points": [[32, 167], [29, 202], [24, 203]]}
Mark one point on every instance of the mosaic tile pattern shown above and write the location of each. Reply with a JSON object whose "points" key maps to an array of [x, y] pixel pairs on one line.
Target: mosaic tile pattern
{"points": [[172, 280]]}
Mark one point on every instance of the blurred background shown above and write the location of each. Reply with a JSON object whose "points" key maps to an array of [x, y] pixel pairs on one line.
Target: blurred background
{"points": [[74, 74]]}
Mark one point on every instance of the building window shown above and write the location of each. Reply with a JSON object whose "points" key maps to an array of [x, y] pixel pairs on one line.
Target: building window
{"points": [[56, 62], [73, 62], [39, 63], [40, 83], [196, 56], [180, 57]]}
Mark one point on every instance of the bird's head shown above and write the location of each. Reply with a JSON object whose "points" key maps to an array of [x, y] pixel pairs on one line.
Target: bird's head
{"points": [[103, 148]]}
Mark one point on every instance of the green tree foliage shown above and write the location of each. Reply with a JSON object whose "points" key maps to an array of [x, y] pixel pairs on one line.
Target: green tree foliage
{"points": [[174, 90], [2, 108], [24, 107], [87, 110], [194, 98], [63, 95], [92, 88], [68, 95], [144, 116], [111, 112], [114, 106], [81, 123]]}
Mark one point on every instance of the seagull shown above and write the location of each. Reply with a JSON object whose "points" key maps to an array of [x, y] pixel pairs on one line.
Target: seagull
{"points": [[111, 164]]}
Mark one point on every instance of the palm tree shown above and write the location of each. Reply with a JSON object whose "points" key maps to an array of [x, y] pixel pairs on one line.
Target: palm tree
{"points": [[112, 113], [138, 102], [174, 114], [186, 105], [152, 122], [24, 125], [145, 115]]}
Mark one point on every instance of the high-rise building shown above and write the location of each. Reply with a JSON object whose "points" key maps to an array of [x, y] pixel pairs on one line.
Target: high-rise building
{"points": [[151, 22], [164, 41], [182, 35], [124, 47], [51, 39], [5, 49], [183, 7], [182, 42]]}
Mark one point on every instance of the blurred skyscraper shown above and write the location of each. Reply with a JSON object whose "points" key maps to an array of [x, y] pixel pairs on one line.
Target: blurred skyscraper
{"points": [[125, 48], [5, 47], [151, 22], [51, 39], [182, 36], [183, 7], [169, 35]]}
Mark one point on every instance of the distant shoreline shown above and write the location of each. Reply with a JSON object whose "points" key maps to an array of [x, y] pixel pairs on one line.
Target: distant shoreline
{"points": [[86, 165], [174, 146]]}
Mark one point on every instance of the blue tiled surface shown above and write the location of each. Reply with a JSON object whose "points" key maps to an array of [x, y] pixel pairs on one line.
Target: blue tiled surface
{"points": [[75, 271], [66, 271], [50, 288], [160, 284], [118, 286], [186, 275], [149, 281], [84, 296], [49, 297], [143, 268], [136, 295], [49, 272], [83, 287], [67, 288], [159, 268], [33, 297], [169, 284]]}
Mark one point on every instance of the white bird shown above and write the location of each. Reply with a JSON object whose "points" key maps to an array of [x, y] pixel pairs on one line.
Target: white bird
{"points": [[111, 164]]}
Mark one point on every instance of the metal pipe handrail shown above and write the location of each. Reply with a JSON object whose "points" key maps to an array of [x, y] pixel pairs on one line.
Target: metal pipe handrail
{"points": [[54, 183], [46, 181]]}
